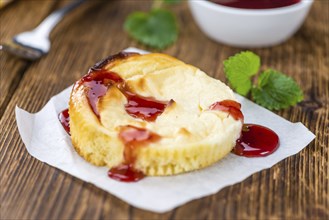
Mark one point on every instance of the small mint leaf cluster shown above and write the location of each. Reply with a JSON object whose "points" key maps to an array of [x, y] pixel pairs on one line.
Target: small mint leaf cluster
{"points": [[273, 90], [157, 28]]}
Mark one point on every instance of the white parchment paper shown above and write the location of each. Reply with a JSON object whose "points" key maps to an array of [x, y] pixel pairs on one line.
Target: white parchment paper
{"points": [[46, 140]]}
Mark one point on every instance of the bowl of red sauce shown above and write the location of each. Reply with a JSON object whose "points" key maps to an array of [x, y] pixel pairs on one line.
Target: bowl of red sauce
{"points": [[250, 23]]}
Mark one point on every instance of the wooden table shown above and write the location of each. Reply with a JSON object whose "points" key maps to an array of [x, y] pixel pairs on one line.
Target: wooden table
{"points": [[296, 188]]}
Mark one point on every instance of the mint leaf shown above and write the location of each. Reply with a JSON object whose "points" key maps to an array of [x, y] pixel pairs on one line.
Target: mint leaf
{"points": [[239, 69], [172, 1], [276, 90], [157, 29]]}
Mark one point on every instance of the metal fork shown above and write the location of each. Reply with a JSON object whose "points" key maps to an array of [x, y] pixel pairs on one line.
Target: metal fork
{"points": [[31, 45]]}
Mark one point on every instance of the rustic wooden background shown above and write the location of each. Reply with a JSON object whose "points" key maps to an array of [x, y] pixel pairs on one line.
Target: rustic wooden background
{"points": [[296, 188]]}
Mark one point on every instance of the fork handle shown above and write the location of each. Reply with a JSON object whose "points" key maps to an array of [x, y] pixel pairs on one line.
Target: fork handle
{"points": [[47, 25]]}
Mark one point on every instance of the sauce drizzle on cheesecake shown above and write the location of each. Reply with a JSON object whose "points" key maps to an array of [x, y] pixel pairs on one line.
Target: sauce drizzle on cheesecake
{"points": [[98, 81], [64, 119], [146, 108], [132, 137], [229, 106]]}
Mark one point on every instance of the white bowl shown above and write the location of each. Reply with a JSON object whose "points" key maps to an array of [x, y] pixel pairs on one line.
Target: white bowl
{"points": [[249, 27]]}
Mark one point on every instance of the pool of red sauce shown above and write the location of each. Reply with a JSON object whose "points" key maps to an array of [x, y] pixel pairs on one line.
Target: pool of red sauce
{"points": [[255, 140], [256, 4]]}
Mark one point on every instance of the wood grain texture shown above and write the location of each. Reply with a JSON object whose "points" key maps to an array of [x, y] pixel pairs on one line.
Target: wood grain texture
{"points": [[296, 188], [12, 68]]}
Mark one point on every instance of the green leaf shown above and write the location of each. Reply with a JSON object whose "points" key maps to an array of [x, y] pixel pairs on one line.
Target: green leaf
{"points": [[275, 90], [157, 29], [172, 1], [239, 69]]}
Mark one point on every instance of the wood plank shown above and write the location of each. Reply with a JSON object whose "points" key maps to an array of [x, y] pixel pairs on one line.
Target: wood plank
{"points": [[296, 188], [12, 68]]}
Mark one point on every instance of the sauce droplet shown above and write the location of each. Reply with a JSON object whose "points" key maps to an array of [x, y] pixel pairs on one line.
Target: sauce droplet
{"points": [[229, 106], [256, 141], [64, 119], [125, 173], [256, 4]]}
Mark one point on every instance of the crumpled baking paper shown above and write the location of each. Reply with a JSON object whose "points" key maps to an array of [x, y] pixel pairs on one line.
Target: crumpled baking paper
{"points": [[46, 140]]}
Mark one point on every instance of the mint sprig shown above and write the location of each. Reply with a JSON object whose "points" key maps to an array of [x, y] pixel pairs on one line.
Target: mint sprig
{"points": [[157, 28], [273, 90], [276, 91], [239, 70]]}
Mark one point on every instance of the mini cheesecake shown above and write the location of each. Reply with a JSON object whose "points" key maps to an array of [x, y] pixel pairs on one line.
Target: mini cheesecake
{"points": [[153, 112]]}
